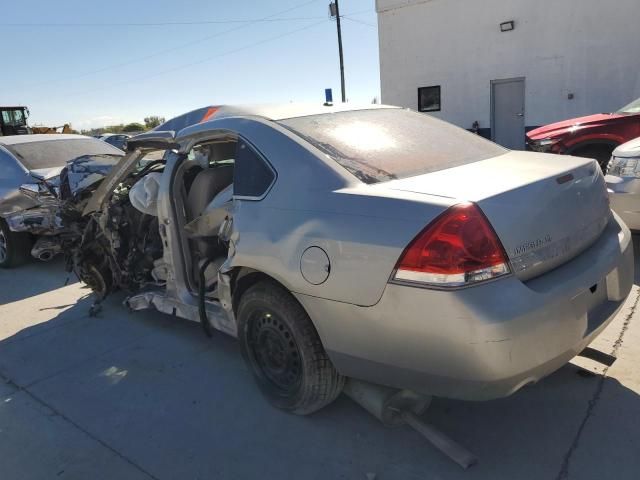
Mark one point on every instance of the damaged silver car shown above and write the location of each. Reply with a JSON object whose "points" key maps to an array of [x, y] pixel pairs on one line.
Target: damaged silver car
{"points": [[30, 168], [372, 243]]}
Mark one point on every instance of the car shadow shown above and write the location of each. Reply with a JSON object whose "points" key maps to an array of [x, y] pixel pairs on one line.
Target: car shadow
{"points": [[179, 405], [36, 277]]}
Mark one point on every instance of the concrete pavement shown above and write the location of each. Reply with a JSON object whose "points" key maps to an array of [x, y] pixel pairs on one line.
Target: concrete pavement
{"points": [[148, 396]]}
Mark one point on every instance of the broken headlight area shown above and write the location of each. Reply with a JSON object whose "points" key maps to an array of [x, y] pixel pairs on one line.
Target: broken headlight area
{"points": [[118, 247]]}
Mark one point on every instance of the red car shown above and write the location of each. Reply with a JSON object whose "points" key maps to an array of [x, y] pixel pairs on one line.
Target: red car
{"points": [[594, 136]]}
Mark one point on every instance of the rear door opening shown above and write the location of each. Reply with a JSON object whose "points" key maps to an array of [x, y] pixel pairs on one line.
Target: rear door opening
{"points": [[205, 188]]}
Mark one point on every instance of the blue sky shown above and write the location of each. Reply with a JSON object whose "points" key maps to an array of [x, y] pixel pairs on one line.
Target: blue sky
{"points": [[92, 75]]}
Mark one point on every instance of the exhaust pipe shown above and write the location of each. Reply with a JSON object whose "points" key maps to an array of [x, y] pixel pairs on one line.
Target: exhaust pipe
{"points": [[45, 255], [404, 407], [46, 248]]}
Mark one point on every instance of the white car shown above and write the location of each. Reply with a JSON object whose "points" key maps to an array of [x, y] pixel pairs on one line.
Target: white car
{"points": [[623, 182]]}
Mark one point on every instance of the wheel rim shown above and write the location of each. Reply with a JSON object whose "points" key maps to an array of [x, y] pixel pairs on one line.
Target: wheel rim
{"points": [[3, 247], [274, 351]]}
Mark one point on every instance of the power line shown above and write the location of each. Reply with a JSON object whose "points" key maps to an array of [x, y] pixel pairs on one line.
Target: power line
{"points": [[359, 12], [159, 24], [359, 21], [173, 23], [167, 50]]}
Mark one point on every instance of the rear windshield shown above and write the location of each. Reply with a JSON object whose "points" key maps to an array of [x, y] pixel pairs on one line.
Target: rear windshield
{"points": [[385, 144], [56, 153]]}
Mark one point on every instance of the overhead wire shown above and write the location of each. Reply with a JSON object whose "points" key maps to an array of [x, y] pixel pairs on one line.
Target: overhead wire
{"points": [[355, 20], [210, 58], [155, 24], [164, 51], [198, 62]]}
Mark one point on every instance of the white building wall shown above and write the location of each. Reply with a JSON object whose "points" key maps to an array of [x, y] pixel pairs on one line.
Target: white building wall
{"points": [[590, 48]]}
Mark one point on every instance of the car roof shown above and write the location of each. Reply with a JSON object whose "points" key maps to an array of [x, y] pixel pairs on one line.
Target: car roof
{"points": [[281, 111], [41, 137], [272, 112]]}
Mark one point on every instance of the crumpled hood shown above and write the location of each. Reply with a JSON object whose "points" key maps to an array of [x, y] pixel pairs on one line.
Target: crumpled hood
{"points": [[85, 172], [46, 173], [558, 128]]}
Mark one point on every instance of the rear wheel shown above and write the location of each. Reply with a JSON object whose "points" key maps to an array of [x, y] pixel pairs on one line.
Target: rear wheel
{"points": [[15, 247], [284, 352], [601, 153]]}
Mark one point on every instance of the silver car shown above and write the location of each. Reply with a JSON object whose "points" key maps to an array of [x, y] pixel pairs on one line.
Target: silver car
{"points": [[623, 182], [118, 140], [30, 166], [369, 242]]}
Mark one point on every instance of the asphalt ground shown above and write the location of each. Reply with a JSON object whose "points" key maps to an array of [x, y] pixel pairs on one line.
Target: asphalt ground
{"points": [[147, 396]]}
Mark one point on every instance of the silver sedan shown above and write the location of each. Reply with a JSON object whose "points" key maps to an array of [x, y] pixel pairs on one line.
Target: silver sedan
{"points": [[368, 242], [30, 167], [623, 182]]}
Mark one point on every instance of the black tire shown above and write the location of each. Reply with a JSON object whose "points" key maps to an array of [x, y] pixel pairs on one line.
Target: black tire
{"points": [[601, 153], [15, 247], [284, 352]]}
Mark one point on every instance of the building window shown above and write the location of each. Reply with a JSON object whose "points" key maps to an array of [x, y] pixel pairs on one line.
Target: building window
{"points": [[429, 99]]}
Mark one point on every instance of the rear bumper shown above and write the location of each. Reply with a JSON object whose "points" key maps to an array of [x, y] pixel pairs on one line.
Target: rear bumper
{"points": [[42, 220], [624, 194], [482, 342]]}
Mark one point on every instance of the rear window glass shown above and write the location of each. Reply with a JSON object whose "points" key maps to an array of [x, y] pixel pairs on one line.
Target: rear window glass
{"points": [[386, 144], [56, 153]]}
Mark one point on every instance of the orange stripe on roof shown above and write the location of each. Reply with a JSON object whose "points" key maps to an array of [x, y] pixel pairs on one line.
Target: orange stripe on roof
{"points": [[210, 113]]}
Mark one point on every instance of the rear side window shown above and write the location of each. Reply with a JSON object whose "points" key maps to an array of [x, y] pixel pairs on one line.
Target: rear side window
{"points": [[56, 153], [252, 177], [384, 144]]}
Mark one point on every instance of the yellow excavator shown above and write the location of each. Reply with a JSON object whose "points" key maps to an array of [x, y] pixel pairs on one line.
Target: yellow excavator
{"points": [[13, 121]]}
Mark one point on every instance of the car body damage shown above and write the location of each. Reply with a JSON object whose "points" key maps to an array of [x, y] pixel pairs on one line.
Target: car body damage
{"points": [[115, 246], [43, 219], [323, 214], [41, 173], [84, 172], [50, 200], [39, 208]]}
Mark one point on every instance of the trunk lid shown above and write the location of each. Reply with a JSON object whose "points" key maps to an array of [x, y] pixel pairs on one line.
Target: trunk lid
{"points": [[546, 209]]}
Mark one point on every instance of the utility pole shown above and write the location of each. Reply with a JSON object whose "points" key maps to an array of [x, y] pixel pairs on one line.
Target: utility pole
{"points": [[334, 10]]}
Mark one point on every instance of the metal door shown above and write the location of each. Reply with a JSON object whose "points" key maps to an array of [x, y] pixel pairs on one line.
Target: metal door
{"points": [[507, 113]]}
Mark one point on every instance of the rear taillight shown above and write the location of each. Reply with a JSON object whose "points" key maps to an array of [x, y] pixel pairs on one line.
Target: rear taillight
{"points": [[458, 248]]}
